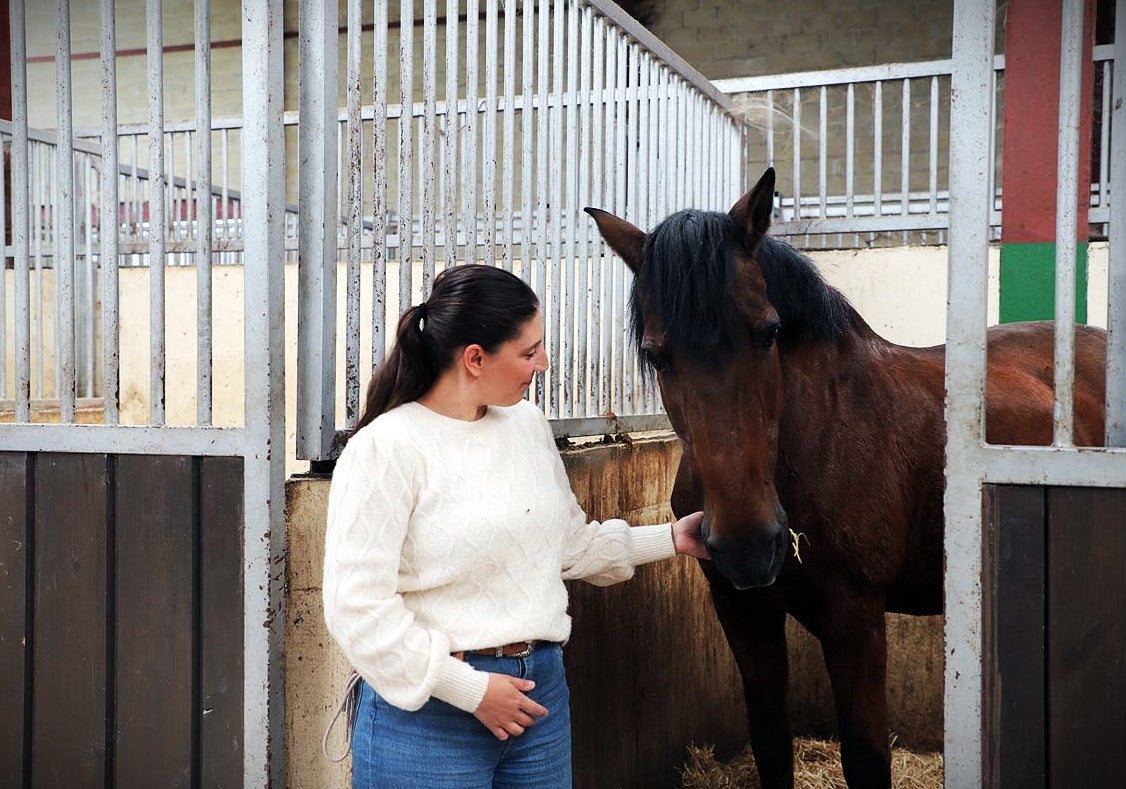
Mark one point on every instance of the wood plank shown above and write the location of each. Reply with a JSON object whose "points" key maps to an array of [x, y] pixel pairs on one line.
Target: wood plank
{"points": [[1014, 671], [221, 621], [1086, 634], [69, 686], [14, 655], [155, 630]]}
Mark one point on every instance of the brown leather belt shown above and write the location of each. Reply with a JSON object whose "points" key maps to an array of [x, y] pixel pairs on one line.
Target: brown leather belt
{"points": [[517, 649]]}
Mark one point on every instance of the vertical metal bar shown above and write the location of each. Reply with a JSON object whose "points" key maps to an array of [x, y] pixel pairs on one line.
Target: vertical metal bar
{"points": [[449, 198], [157, 217], [970, 201], [570, 294], [224, 197], [87, 329], [542, 143], [993, 144], [556, 212], [822, 150], [355, 214], [109, 224], [877, 149], [427, 170], [905, 151], [1067, 187], [797, 154], [263, 206], [600, 254], [678, 131], [527, 119], [379, 187], [489, 154], [582, 290], [641, 170], [850, 150], [64, 246], [1104, 133], [40, 228], [1116, 285], [770, 128], [316, 269], [20, 193], [204, 222], [406, 152], [509, 139], [472, 111], [606, 280], [620, 208], [933, 183]]}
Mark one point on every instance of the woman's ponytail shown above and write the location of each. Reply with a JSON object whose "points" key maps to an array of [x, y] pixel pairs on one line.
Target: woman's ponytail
{"points": [[408, 371]]}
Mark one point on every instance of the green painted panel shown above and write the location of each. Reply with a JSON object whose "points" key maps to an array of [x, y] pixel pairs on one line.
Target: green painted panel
{"points": [[1028, 282]]}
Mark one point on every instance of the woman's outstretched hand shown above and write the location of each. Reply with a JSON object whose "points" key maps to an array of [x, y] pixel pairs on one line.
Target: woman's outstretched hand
{"points": [[505, 710], [686, 536]]}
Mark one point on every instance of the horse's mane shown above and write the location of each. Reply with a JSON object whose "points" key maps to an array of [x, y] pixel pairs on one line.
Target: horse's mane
{"points": [[687, 274]]}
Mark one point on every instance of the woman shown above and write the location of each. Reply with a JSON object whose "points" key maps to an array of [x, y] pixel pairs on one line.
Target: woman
{"points": [[451, 528]]}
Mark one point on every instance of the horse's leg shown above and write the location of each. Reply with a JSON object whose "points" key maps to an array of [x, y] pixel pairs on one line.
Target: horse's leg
{"points": [[855, 647], [755, 626]]}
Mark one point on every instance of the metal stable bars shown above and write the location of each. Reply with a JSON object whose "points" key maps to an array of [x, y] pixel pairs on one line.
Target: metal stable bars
{"points": [[970, 461], [560, 106], [71, 225]]}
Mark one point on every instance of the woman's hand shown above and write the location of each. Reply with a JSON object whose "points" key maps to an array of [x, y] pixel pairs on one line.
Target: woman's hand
{"points": [[686, 536], [505, 710]]}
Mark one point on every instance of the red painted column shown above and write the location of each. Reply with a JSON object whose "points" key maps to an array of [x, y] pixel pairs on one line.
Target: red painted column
{"points": [[1028, 178]]}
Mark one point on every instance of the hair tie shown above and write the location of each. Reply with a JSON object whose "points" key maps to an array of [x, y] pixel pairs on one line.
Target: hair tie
{"points": [[421, 310]]}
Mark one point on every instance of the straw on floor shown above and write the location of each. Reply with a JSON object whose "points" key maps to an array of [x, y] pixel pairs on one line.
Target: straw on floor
{"points": [[817, 765]]}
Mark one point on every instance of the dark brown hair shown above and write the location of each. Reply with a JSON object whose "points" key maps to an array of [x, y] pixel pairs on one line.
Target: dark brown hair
{"points": [[468, 305]]}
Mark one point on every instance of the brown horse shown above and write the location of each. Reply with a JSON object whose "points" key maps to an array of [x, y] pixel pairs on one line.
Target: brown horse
{"points": [[796, 418]]}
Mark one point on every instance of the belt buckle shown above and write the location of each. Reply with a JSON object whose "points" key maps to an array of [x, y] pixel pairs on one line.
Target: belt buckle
{"points": [[529, 647]]}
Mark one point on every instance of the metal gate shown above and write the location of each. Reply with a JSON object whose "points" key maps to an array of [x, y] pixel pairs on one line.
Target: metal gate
{"points": [[141, 565], [1046, 574]]}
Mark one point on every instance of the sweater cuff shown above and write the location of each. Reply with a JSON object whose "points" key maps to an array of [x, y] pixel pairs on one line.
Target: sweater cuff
{"points": [[461, 685], [651, 543]]}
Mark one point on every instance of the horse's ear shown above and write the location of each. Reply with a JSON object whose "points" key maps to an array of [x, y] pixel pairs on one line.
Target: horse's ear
{"points": [[753, 210], [623, 238]]}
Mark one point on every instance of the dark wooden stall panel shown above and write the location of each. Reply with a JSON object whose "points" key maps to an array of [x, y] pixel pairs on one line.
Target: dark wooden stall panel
{"points": [[156, 643], [221, 621], [1014, 635], [14, 552], [70, 653], [1087, 637]]}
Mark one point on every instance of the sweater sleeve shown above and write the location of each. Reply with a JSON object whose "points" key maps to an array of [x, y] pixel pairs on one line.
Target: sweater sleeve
{"points": [[369, 508], [603, 553]]}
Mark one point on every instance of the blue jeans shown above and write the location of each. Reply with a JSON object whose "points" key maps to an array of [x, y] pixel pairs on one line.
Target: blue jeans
{"points": [[442, 747]]}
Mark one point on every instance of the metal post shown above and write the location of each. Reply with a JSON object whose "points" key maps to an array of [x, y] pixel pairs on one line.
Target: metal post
{"points": [[1116, 289], [20, 199], [157, 215], [316, 276], [1067, 187], [203, 209], [263, 209], [965, 385]]}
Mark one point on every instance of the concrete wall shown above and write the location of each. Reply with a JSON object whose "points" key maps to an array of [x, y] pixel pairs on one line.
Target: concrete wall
{"points": [[636, 650]]}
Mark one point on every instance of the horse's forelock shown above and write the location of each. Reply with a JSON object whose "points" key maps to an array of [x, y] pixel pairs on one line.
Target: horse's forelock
{"points": [[685, 279]]}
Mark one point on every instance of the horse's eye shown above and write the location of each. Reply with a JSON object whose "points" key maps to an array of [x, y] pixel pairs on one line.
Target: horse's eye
{"points": [[655, 359], [768, 334]]}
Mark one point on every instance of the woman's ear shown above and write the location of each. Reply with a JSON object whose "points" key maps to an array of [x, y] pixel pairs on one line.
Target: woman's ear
{"points": [[473, 359]]}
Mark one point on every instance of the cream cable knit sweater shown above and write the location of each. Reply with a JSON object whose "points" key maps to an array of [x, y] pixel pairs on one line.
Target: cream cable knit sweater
{"points": [[446, 535]]}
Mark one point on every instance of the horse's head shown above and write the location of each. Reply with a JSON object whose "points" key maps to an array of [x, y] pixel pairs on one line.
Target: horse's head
{"points": [[703, 322]]}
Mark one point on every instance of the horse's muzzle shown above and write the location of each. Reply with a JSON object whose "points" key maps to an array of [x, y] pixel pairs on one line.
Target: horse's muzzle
{"points": [[753, 558]]}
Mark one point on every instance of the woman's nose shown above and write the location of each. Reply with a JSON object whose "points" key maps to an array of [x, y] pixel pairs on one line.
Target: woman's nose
{"points": [[541, 361]]}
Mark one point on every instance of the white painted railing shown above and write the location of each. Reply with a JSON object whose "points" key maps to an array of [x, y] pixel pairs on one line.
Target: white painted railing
{"points": [[864, 151]]}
